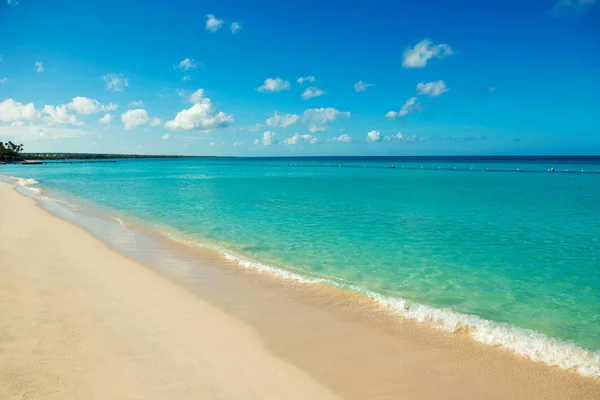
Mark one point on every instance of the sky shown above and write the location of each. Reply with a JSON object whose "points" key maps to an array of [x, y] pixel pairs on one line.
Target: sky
{"points": [[291, 78]]}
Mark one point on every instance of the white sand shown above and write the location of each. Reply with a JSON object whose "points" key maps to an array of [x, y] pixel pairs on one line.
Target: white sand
{"points": [[80, 321]]}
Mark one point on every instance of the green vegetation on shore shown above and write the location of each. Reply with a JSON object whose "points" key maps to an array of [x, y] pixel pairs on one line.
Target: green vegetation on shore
{"points": [[10, 152], [92, 156]]}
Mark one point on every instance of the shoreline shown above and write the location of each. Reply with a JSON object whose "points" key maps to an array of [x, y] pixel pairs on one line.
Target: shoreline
{"points": [[362, 349], [524, 342]]}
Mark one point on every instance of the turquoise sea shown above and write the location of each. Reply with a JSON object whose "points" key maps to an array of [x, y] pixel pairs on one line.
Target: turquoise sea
{"points": [[500, 246]]}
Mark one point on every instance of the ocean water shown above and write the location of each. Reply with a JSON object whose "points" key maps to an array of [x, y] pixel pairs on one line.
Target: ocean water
{"points": [[500, 247]]}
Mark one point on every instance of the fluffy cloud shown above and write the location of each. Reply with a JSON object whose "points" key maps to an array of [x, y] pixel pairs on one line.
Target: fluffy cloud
{"points": [[136, 104], [3, 80], [115, 82], [432, 89], [360, 86], [323, 115], [255, 128], [317, 128], [373, 136], [155, 122], [212, 144], [166, 136], [401, 138], [274, 85], [11, 110], [134, 118], [408, 107], [106, 119], [187, 64], [235, 27], [21, 131], [309, 78], [238, 143], [197, 96], [311, 92], [187, 78], [202, 116], [59, 115], [39, 66], [86, 106], [342, 138], [213, 24], [298, 138], [268, 139], [417, 57], [282, 120]]}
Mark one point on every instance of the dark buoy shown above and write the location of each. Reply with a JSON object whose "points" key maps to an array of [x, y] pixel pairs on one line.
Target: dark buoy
{"points": [[551, 169], [393, 166]]}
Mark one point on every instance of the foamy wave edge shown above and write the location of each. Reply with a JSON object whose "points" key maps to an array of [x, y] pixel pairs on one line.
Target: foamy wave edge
{"points": [[525, 342], [25, 183]]}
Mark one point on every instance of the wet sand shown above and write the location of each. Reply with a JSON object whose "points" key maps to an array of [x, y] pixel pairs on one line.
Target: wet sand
{"points": [[104, 317]]}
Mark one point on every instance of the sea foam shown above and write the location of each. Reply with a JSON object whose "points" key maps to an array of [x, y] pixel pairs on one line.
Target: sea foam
{"points": [[528, 343], [525, 342]]}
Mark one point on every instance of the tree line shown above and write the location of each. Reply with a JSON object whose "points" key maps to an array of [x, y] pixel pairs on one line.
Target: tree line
{"points": [[10, 152]]}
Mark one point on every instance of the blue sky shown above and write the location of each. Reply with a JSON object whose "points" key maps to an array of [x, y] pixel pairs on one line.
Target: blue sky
{"points": [[222, 77]]}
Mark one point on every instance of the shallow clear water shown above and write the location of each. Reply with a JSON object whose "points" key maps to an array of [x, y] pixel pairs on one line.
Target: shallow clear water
{"points": [[501, 239]]}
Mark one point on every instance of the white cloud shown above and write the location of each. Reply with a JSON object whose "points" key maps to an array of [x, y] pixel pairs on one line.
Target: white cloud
{"points": [[309, 78], [213, 24], [187, 64], [134, 118], [311, 92], [11, 110], [297, 138], [197, 96], [86, 106], [401, 138], [492, 89], [136, 104], [238, 143], [274, 85], [268, 139], [21, 132], [155, 122], [212, 144], [115, 82], [282, 120], [323, 115], [317, 128], [255, 128], [187, 78], [106, 119], [39, 66], [432, 89], [360, 86], [166, 136], [202, 116], [342, 138], [423, 51], [373, 136], [235, 27], [408, 107], [3, 80], [60, 115], [12, 2]]}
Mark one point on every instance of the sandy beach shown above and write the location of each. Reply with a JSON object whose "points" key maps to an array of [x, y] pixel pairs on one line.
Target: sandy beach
{"points": [[81, 321]]}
